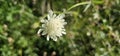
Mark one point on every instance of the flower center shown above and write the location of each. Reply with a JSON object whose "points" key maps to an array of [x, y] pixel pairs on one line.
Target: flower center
{"points": [[52, 26]]}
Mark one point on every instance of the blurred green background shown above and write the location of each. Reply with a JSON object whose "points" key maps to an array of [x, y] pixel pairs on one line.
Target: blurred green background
{"points": [[93, 29]]}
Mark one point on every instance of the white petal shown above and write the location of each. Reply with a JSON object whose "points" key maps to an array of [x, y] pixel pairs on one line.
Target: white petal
{"points": [[60, 16], [48, 17], [55, 38], [59, 35], [63, 29], [43, 25], [39, 31], [62, 20], [65, 23], [43, 20], [44, 33], [64, 32], [47, 38], [50, 13], [54, 16]]}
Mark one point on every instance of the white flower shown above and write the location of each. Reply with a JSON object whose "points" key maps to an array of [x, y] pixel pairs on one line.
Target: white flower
{"points": [[96, 15], [53, 26]]}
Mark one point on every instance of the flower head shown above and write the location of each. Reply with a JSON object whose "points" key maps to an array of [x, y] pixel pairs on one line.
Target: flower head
{"points": [[53, 26]]}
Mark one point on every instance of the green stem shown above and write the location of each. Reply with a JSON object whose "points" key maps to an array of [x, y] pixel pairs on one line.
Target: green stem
{"points": [[78, 4]]}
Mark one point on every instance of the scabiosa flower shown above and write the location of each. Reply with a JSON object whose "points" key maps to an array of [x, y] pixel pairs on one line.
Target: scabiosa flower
{"points": [[53, 26]]}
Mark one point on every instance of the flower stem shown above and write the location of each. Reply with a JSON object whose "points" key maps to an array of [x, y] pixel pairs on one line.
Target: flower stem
{"points": [[78, 4]]}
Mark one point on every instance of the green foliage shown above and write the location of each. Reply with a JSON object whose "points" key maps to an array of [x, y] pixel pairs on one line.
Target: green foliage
{"points": [[93, 28]]}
